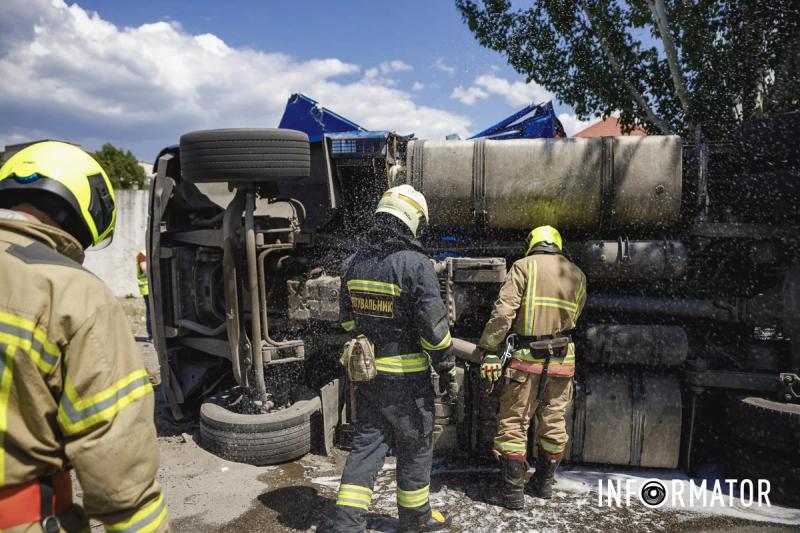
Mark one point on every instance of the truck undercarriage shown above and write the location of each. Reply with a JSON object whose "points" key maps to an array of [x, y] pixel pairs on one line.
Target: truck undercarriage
{"points": [[687, 350]]}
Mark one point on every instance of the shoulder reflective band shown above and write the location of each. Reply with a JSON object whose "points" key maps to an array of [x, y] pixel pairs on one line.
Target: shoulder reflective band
{"points": [[147, 519], [411, 499], [24, 334], [377, 287], [354, 496], [444, 343], [402, 364], [349, 325], [76, 414]]}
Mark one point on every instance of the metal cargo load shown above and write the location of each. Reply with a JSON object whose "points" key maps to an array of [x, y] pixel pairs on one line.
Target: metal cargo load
{"points": [[573, 184]]}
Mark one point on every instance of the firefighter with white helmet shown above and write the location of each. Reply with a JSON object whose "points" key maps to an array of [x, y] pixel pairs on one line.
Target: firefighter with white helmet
{"points": [[390, 295], [73, 391]]}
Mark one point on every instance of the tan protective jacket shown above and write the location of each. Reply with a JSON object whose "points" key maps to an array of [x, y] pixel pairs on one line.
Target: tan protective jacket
{"points": [[542, 294], [73, 389]]}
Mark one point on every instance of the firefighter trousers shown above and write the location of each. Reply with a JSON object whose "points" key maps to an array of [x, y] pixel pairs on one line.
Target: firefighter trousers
{"points": [[518, 403], [393, 414]]}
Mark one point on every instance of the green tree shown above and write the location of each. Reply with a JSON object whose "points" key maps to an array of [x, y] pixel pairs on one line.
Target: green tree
{"points": [[666, 65], [122, 167]]}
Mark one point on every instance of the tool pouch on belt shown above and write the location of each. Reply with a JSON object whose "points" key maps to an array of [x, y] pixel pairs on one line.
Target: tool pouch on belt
{"points": [[358, 357], [554, 347]]}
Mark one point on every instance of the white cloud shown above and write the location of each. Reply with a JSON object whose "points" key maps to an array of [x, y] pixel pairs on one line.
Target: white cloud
{"points": [[516, 93], [394, 66], [70, 74], [469, 95], [572, 124], [418, 86], [444, 67]]}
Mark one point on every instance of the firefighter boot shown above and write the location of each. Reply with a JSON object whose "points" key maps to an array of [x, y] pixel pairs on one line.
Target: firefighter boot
{"points": [[514, 468], [433, 521], [545, 474]]}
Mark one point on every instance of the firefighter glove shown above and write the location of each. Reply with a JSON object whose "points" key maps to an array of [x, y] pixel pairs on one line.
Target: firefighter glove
{"points": [[491, 369], [447, 379]]}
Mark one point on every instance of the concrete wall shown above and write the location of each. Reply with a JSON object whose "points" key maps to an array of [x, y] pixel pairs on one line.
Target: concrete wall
{"points": [[116, 264]]}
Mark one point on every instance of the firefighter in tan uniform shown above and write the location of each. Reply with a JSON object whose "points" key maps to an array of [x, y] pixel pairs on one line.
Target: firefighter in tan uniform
{"points": [[73, 391], [539, 303]]}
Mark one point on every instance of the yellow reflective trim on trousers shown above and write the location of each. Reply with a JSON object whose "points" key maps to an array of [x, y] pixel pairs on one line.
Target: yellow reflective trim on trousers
{"points": [[23, 333], [411, 499], [402, 364], [550, 446], [377, 287], [76, 414], [6, 381], [145, 520], [354, 496], [350, 325], [444, 343], [509, 446]]}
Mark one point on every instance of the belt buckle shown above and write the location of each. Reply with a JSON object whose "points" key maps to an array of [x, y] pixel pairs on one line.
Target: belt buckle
{"points": [[51, 524]]}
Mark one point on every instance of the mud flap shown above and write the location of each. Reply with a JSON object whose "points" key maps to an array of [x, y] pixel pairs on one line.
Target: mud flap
{"points": [[330, 397]]}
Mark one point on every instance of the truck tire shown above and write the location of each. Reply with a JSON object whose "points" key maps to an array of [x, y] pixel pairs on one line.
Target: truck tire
{"points": [[783, 473], [260, 439], [249, 155], [765, 423]]}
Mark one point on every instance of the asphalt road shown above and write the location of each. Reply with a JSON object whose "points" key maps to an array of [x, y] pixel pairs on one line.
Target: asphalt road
{"points": [[208, 494]]}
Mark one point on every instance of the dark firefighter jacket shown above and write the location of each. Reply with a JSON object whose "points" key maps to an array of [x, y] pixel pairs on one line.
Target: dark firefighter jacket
{"points": [[390, 293]]}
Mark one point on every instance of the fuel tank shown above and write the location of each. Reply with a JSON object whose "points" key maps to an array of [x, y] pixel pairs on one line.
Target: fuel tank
{"points": [[573, 184], [634, 260]]}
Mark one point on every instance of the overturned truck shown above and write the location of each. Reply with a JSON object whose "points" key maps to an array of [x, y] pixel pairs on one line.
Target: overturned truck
{"points": [[688, 350]]}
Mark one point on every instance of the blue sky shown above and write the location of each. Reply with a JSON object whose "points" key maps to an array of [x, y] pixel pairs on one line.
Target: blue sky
{"points": [[139, 74]]}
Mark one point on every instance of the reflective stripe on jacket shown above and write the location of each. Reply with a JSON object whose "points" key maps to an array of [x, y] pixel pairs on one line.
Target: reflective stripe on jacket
{"points": [[543, 294], [391, 294], [73, 390]]}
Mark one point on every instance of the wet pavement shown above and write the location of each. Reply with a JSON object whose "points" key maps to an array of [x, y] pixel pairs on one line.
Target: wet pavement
{"points": [[208, 494]]}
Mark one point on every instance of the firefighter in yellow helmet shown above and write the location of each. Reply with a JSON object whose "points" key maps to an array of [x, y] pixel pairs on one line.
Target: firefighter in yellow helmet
{"points": [[73, 391], [390, 294], [539, 303]]}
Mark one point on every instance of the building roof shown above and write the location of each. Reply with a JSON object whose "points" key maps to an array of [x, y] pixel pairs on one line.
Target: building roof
{"points": [[608, 127]]}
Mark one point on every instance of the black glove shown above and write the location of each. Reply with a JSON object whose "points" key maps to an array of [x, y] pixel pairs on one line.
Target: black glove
{"points": [[447, 379]]}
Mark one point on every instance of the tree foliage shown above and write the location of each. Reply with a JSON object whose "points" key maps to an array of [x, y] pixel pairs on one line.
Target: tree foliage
{"points": [[666, 65], [122, 167]]}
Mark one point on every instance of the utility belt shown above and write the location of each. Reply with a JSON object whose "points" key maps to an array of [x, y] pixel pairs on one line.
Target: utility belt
{"points": [[37, 501], [540, 347], [555, 345]]}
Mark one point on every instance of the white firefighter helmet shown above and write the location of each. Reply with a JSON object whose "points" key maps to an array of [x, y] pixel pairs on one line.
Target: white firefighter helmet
{"points": [[407, 204]]}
